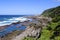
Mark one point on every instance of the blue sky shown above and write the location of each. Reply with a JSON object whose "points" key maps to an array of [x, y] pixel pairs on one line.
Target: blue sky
{"points": [[26, 7]]}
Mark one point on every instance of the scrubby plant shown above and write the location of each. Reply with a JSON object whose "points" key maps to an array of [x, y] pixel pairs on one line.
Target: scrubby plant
{"points": [[52, 31]]}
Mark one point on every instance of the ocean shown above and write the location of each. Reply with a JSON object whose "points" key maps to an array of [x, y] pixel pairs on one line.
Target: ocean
{"points": [[5, 17], [9, 19]]}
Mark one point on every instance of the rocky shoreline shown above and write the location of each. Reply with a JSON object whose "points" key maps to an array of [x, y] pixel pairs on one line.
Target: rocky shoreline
{"points": [[21, 23], [24, 20], [32, 31]]}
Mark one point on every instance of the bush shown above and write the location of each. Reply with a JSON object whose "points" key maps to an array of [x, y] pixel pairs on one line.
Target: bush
{"points": [[29, 38], [45, 35]]}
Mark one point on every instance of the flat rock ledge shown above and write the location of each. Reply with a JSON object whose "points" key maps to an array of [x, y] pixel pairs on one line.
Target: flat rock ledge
{"points": [[28, 32]]}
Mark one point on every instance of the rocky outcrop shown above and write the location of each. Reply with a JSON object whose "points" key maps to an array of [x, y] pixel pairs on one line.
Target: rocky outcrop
{"points": [[3, 27], [35, 33], [34, 30], [28, 32]]}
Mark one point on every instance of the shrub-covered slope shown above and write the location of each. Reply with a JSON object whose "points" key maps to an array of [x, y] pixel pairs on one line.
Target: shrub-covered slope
{"points": [[52, 31]]}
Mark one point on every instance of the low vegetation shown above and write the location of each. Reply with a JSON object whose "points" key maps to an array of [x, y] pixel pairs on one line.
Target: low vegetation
{"points": [[52, 30]]}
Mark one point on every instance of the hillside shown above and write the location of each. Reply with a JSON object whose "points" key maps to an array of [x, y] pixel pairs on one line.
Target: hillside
{"points": [[52, 30], [54, 25]]}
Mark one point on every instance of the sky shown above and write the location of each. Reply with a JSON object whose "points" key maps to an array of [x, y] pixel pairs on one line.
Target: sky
{"points": [[26, 7]]}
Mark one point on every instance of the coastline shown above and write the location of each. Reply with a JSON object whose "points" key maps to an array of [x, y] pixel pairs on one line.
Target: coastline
{"points": [[35, 30], [23, 23]]}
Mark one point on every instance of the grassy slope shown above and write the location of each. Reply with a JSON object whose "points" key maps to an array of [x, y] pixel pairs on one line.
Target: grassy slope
{"points": [[52, 31]]}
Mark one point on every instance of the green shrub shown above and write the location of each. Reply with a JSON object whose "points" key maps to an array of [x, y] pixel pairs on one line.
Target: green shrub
{"points": [[29, 38], [57, 38], [45, 35]]}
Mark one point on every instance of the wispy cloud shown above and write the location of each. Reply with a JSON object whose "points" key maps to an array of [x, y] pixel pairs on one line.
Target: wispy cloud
{"points": [[57, 0]]}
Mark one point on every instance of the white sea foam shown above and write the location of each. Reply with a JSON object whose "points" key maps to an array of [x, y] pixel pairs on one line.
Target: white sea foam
{"points": [[13, 20], [2, 24]]}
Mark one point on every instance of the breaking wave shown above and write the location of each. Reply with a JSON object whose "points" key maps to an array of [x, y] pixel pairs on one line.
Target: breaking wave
{"points": [[13, 20]]}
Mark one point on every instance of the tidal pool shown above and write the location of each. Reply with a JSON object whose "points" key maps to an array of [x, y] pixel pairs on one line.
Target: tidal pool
{"points": [[11, 28]]}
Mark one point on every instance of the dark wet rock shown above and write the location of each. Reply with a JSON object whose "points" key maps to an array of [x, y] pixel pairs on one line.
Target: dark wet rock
{"points": [[3, 27]]}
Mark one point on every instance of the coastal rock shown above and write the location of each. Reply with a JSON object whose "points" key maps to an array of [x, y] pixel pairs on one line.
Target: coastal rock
{"points": [[28, 32], [3, 27], [35, 33], [31, 31]]}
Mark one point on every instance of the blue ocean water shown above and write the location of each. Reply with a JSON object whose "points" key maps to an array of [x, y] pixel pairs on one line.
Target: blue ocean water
{"points": [[8, 19], [4, 19], [11, 29]]}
